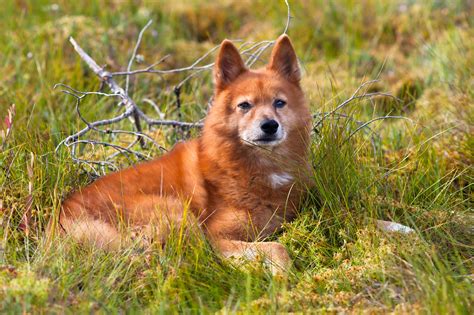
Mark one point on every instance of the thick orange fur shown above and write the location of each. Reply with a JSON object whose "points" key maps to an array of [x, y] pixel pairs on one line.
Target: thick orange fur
{"points": [[238, 192]]}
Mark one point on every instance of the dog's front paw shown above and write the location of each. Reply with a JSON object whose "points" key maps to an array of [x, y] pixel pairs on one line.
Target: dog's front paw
{"points": [[277, 259]]}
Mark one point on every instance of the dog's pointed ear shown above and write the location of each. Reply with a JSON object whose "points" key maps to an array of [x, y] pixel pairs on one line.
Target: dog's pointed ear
{"points": [[284, 61], [229, 65]]}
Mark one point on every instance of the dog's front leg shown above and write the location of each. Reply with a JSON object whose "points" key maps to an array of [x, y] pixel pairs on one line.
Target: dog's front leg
{"points": [[273, 254]]}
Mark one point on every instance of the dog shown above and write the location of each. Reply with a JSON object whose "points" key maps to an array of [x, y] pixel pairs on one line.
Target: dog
{"points": [[238, 182]]}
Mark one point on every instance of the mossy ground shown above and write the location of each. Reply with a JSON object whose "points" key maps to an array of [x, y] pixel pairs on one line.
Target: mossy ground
{"points": [[420, 174]]}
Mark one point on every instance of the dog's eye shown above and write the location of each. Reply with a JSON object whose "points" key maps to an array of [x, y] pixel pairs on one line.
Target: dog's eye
{"points": [[279, 103], [244, 105]]}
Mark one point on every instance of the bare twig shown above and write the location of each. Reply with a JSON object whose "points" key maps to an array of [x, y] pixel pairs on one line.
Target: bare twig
{"points": [[194, 66], [136, 118], [102, 74], [288, 17], [114, 146], [134, 54], [148, 69], [155, 107]]}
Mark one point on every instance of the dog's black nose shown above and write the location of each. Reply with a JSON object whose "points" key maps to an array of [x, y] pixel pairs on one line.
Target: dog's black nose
{"points": [[270, 126]]}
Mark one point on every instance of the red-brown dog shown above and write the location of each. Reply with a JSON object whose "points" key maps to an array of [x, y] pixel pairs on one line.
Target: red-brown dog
{"points": [[240, 180]]}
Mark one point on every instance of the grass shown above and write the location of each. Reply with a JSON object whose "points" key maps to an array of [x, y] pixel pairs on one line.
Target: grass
{"points": [[421, 174]]}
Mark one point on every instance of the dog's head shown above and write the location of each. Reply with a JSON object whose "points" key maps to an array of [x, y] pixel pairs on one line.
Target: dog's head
{"points": [[259, 107]]}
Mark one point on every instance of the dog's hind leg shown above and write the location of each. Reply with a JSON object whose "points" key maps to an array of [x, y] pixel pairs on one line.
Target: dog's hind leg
{"points": [[93, 231], [146, 218]]}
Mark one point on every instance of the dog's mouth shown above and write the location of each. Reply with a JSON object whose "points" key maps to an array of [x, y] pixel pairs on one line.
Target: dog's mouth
{"points": [[260, 139], [266, 141]]}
